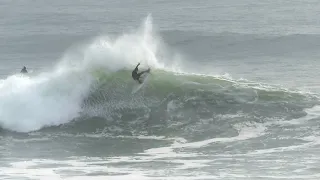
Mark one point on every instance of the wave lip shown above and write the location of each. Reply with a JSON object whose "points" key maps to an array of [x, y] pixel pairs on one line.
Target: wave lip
{"points": [[57, 96], [95, 80]]}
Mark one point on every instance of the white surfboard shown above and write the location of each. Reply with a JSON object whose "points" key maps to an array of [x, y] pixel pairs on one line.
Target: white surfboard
{"points": [[139, 86]]}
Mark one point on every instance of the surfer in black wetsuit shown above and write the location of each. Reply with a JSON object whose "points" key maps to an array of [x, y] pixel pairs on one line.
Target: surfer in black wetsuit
{"points": [[24, 70], [136, 76]]}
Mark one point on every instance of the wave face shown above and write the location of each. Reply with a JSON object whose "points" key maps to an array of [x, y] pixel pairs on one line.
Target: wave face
{"points": [[90, 90], [187, 105], [55, 97]]}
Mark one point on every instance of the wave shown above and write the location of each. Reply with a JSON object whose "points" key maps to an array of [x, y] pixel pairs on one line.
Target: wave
{"points": [[90, 89], [29, 103], [182, 105]]}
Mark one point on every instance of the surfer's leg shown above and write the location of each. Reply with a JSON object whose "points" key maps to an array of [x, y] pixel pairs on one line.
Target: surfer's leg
{"points": [[139, 74]]}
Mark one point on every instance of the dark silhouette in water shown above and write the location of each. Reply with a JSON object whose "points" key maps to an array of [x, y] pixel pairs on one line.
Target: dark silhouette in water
{"points": [[24, 70], [136, 76]]}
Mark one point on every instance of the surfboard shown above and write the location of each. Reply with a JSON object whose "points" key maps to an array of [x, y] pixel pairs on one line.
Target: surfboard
{"points": [[139, 86]]}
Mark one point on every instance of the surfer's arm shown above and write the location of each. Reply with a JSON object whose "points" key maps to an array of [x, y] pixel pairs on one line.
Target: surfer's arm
{"points": [[136, 69]]}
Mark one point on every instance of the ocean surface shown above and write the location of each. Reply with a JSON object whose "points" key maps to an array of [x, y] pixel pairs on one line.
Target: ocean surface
{"points": [[233, 91]]}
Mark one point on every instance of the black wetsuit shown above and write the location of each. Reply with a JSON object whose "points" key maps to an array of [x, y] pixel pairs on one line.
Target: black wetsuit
{"points": [[136, 76], [24, 70]]}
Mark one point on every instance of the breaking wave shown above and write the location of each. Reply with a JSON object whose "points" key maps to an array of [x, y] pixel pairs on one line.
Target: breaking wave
{"points": [[90, 89]]}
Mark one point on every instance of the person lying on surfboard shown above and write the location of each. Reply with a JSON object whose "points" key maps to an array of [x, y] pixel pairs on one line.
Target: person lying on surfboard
{"points": [[136, 76]]}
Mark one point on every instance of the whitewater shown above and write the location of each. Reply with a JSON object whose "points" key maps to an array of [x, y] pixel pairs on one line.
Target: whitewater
{"points": [[55, 97], [218, 104]]}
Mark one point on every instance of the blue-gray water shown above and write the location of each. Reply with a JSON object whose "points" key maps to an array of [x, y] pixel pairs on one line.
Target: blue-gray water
{"points": [[232, 94]]}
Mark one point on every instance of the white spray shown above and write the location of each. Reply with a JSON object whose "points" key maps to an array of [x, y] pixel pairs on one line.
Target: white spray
{"points": [[55, 97]]}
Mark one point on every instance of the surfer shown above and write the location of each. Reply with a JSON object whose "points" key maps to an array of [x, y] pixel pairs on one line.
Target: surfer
{"points": [[24, 70], [136, 76]]}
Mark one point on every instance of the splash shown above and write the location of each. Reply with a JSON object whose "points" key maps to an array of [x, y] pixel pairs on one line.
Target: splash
{"points": [[55, 97]]}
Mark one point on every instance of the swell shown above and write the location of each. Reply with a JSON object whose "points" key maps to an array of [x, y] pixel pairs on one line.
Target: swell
{"points": [[187, 105], [229, 45], [94, 81], [163, 83]]}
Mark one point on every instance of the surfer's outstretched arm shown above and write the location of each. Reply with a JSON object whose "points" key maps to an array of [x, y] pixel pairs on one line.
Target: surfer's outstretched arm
{"points": [[136, 69]]}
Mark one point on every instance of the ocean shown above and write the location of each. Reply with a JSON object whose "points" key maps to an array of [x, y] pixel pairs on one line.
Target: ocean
{"points": [[232, 93]]}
